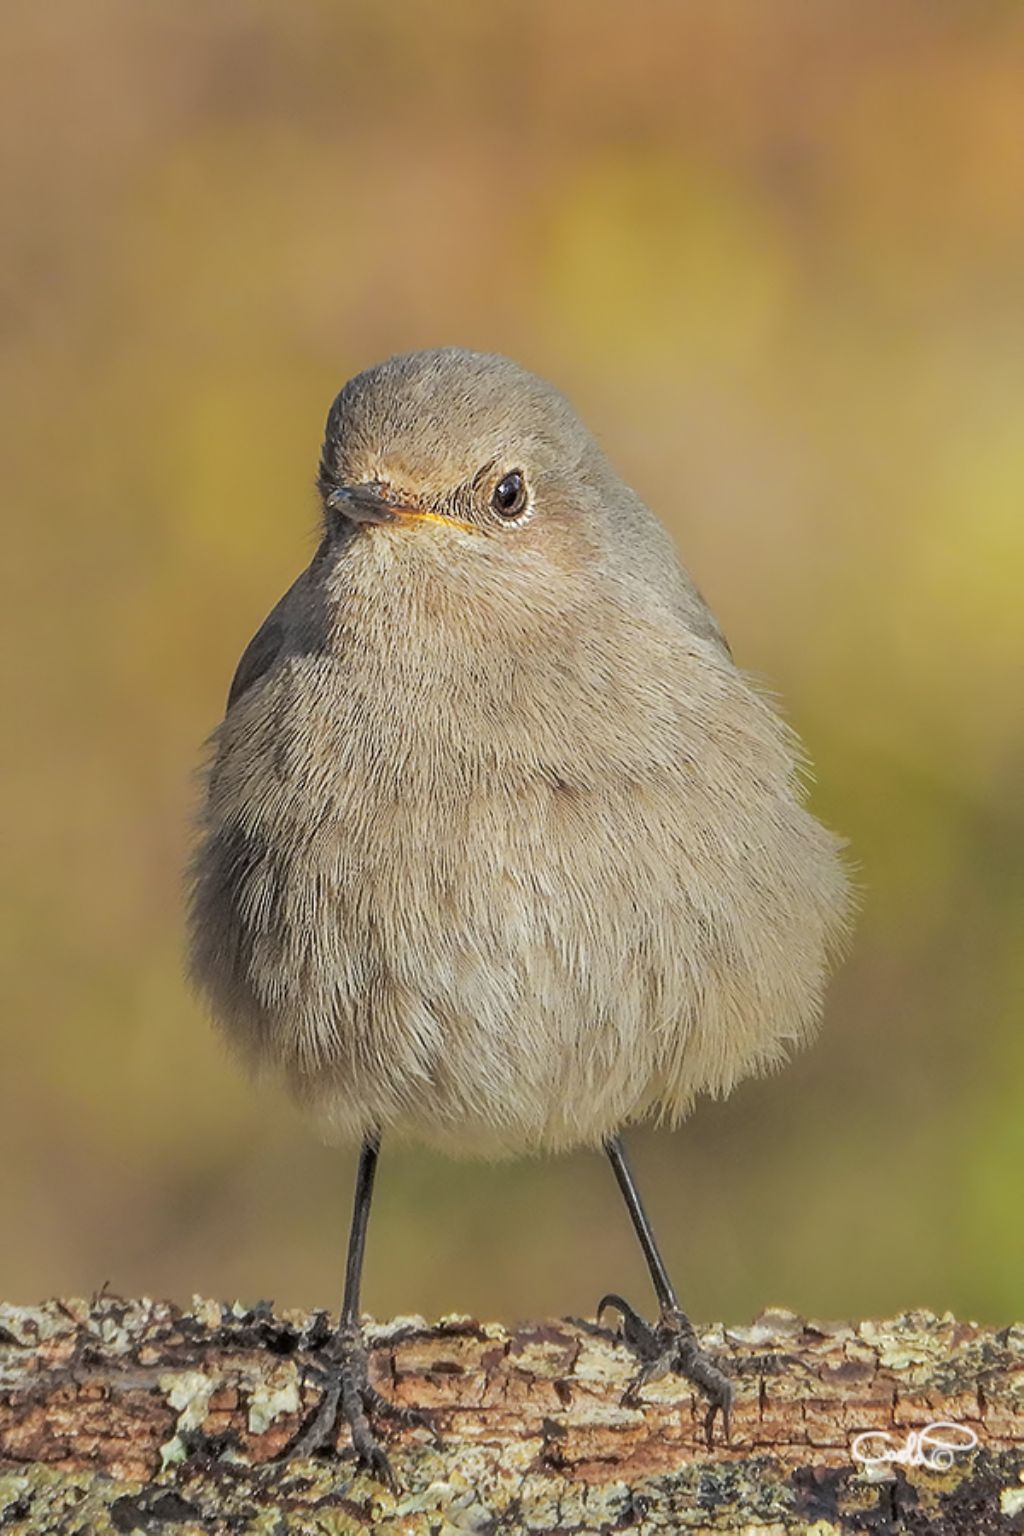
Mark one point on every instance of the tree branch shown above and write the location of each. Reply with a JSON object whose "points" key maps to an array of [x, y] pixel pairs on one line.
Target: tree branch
{"points": [[120, 1416]]}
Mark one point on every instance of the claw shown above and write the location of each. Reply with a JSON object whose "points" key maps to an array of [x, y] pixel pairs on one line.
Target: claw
{"points": [[611, 1300], [374, 1458], [709, 1421], [410, 1418]]}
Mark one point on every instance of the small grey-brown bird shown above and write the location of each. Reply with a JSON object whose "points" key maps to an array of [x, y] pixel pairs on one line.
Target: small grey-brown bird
{"points": [[500, 850]]}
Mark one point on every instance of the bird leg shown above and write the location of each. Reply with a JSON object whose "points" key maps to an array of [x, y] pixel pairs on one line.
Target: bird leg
{"points": [[671, 1344], [346, 1393]]}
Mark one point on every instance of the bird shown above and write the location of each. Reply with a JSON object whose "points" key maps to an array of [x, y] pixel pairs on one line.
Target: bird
{"points": [[499, 850]]}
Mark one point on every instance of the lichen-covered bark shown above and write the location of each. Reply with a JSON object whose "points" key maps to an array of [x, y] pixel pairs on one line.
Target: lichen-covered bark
{"points": [[122, 1416]]}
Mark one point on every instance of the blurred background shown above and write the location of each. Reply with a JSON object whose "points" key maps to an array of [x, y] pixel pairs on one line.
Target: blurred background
{"points": [[775, 255]]}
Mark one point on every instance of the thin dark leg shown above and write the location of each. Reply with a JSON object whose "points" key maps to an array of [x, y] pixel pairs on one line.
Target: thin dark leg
{"points": [[672, 1344], [346, 1393], [367, 1172], [663, 1287]]}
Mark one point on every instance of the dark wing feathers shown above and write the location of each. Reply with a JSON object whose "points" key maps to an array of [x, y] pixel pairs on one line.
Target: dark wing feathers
{"points": [[258, 657]]}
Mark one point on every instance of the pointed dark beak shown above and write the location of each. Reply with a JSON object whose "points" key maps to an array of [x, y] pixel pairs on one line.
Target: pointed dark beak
{"points": [[361, 504], [371, 503]]}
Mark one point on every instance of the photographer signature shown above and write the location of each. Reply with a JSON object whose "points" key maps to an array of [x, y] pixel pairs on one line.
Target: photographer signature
{"points": [[935, 1447]]}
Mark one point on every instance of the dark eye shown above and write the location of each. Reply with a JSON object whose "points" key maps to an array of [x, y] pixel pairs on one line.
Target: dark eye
{"points": [[509, 496]]}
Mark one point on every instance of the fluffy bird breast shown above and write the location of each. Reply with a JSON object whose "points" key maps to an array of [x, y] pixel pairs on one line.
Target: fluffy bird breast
{"points": [[499, 877]]}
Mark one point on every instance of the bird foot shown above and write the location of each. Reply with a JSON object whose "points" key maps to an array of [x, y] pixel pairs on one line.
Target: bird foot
{"points": [[671, 1345], [347, 1397]]}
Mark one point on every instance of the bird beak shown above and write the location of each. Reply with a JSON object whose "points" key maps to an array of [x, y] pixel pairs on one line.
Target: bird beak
{"points": [[361, 504], [371, 504]]}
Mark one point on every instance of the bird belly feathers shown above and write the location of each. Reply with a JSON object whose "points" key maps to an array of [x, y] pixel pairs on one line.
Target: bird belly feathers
{"points": [[493, 926]]}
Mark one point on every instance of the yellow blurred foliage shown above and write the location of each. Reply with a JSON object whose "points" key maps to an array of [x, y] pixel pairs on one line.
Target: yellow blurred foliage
{"points": [[776, 256]]}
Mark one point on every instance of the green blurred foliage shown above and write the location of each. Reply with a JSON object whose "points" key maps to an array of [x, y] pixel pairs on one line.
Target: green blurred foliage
{"points": [[776, 256]]}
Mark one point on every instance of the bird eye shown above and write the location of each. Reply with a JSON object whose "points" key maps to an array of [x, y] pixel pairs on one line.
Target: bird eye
{"points": [[509, 496]]}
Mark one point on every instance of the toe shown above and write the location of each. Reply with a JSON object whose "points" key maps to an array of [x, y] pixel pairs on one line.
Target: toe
{"points": [[637, 1333], [374, 1458], [719, 1406], [320, 1427], [385, 1408]]}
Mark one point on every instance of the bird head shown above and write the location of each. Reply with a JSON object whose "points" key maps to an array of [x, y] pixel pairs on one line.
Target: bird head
{"points": [[464, 447]]}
